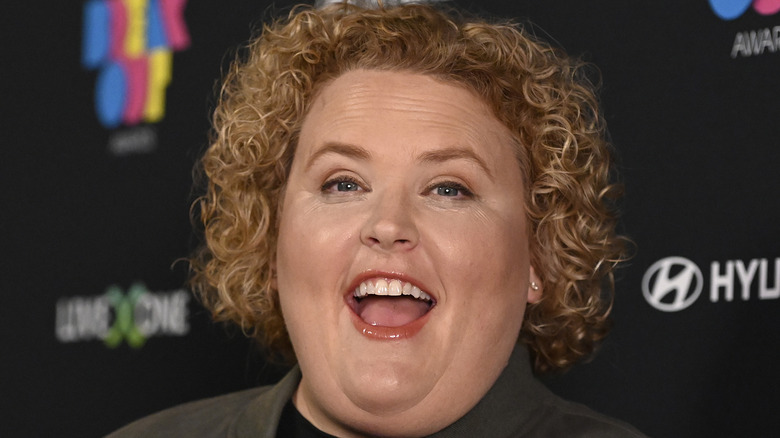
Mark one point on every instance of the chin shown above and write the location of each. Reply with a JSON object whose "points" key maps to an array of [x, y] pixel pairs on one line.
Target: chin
{"points": [[385, 389], [383, 377]]}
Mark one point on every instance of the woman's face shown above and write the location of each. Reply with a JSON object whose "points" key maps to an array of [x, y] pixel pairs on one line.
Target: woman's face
{"points": [[403, 260]]}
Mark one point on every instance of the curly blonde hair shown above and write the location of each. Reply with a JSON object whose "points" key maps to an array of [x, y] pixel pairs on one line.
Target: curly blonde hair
{"points": [[537, 91]]}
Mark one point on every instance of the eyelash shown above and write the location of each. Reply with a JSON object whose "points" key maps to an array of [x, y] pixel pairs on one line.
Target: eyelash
{"points": [[329, 184], [462, 190]]}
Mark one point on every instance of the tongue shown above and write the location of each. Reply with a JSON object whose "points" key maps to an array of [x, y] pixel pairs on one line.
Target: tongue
{"points": [[391, 311]]}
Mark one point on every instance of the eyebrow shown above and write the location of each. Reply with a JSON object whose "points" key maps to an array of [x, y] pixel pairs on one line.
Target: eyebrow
{"points": [[455, 153], [345, 149], [437, 156]]}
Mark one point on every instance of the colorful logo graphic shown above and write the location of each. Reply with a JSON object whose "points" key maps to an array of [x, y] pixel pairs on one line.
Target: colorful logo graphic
{"points": [[130, 42], [731, 9]]}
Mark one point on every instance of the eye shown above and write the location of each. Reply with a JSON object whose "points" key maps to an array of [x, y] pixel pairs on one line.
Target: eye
{"points": [[451, 189], [341, 184], [346, 186]]}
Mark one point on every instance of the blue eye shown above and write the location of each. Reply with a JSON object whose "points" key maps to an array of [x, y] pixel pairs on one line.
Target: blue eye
{"points": [[346, 186], [341, 184], [447, 191], [452, 190]]}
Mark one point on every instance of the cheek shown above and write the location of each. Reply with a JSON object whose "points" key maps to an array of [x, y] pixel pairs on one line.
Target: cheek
{"points": [[298, 271], [313, 248], [293, 261], [483, 243], [485, 264]]}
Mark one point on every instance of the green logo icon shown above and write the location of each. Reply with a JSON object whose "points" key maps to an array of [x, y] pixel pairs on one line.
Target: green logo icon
{"points": [[124, 327]]}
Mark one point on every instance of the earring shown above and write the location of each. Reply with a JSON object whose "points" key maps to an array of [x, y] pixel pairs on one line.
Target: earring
{"points": [[534, 286]]}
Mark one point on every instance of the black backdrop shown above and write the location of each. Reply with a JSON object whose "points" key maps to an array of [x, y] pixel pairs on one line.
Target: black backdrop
{"points": [[98, 330]]}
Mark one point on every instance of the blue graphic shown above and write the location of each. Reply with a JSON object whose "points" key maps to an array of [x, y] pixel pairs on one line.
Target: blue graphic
{"points": [[729, 9]]}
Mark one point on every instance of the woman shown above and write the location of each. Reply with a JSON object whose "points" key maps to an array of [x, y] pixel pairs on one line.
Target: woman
{"points": [[416, 209]]}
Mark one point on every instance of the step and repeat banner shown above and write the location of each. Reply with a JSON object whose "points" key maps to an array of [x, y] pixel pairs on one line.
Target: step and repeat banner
{"points": [[107, 108]]}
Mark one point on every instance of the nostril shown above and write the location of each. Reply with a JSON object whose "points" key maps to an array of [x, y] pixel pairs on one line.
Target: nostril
{"points": [[389, 229], [388, 243]]}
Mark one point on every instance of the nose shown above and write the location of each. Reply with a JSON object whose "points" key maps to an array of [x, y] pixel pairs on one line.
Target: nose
{"points": [[391, 225]]}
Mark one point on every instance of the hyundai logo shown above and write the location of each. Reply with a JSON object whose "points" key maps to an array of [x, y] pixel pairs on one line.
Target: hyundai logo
{"points": [[672, 284]]}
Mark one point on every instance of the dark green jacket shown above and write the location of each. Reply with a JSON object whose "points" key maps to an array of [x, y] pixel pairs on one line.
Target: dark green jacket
{"points": [[516, 406]]}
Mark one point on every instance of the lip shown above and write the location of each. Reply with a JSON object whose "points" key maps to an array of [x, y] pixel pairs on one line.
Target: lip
{"points": [[386, 333]]}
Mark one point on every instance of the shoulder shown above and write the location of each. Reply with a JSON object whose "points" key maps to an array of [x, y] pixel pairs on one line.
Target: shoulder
{"points": [[558, 417], [209, 417]]}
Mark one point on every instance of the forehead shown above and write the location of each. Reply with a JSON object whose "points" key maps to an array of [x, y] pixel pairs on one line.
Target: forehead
{"points": [[419, 111], [406, 117]]}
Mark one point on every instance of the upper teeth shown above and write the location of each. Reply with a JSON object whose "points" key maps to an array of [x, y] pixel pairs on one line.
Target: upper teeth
{"points": [[393, 288]]}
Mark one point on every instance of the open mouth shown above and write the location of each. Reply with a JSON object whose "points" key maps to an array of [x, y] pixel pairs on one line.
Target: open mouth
{"points": [[384, 302]]}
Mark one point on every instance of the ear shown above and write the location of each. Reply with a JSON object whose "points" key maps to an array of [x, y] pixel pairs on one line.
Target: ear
{"points": [[535, 287]]}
